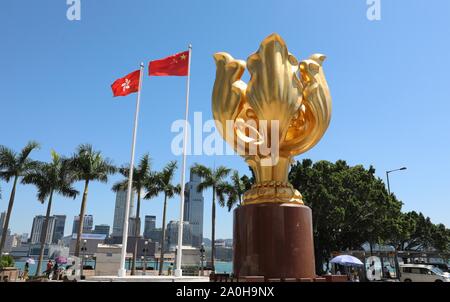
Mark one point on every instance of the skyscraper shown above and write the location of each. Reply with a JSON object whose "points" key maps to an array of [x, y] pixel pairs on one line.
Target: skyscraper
{"points": [[88, 223], [131, 226], [24, 238], [37, 228], [193, 209], [119, 212], [149, 226], [60, 223], [172, 234]]}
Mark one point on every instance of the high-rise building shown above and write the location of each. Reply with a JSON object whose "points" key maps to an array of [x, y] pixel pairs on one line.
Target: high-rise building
{"points": [[172, 235], [119, 212], [131, 226], [149, 225], [102, 229], [193, 209], [24, 238], [60, 224], [12, 241], [37, 228], [155, 235], [88, 223]]}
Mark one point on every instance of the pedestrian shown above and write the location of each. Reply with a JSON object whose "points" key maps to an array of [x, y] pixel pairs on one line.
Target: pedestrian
{"points": [[355, 277], [169, 270], [386, 273], [26, 271], [49, 268], [55, 271]]}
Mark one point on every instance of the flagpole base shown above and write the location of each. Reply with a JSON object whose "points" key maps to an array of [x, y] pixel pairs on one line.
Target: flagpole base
{"points": [[178, 273], [122, 272]]}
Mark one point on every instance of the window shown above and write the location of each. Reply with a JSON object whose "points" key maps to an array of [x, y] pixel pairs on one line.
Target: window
{"points": [[415, 270], [407, 270]]}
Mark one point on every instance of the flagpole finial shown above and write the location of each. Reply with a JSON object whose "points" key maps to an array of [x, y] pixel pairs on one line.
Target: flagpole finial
{"points": [[190, 46], [142, 64]]}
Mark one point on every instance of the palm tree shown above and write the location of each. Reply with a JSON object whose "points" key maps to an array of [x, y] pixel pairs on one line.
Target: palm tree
{"points": [[50, 178], [215, 179], [14, 166], [88, 165], [163, 184], [142, 176], [234, 191]]}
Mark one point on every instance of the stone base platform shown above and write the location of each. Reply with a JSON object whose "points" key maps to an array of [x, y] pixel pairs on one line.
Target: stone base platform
{"points": [[273, 240]]}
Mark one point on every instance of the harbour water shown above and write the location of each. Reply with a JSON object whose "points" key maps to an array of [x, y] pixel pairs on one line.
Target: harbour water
{"points": [[221, 266]]}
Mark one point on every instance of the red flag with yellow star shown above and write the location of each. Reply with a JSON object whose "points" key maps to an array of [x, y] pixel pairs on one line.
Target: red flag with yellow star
{"points": [[175, 65]]}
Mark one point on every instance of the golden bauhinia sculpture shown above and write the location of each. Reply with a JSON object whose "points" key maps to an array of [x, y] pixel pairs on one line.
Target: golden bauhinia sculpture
{"points": [[283, 111]]}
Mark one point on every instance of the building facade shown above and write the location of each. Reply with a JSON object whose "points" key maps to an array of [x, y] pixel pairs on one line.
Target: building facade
{"points": [[12, 241], [155, 235], [37, 229], [88, 223], [193, 209], [131, 227], [172, 235], [149, 225], [60, 224], [89, 241], [102, 229], [119, 212]]}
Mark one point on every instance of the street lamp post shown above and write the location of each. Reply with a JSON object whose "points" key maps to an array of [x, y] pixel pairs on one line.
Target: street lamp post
{"points": [[83, 249], [387, 177], [145, 250], [397, 270], [202, 258]]}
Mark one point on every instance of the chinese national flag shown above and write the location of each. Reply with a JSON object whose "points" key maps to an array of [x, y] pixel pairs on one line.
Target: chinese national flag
{"points": [[176, 65], [126, 85]]}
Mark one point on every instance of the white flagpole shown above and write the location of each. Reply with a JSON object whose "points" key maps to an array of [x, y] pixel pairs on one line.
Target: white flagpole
{"points": [[178, 271], [122, 271]]}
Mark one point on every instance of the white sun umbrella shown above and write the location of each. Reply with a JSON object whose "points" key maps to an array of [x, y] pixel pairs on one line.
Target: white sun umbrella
{"points": [[30, 261], [346, 260]]}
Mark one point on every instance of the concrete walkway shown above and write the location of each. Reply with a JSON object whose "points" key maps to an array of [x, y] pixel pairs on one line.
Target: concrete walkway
{"points": [[146, 279]]}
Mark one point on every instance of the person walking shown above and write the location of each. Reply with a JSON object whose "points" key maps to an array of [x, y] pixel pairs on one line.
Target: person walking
{"points": [[26, 271], [49, 268], [55, 271]]}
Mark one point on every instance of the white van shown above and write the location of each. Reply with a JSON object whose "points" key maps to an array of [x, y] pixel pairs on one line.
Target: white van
{"points": [[422, 273]]}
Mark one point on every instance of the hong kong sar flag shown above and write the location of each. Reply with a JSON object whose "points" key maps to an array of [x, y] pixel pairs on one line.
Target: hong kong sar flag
{"points": [[126, 85]]}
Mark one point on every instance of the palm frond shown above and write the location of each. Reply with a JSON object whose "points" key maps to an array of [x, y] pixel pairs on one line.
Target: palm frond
{"points": [[221, 173], [202, 171], [7, 158], [6, 175], [162, 182], [203, 186], [27, 150], [88, 164], [50, 177], [120, 186]]}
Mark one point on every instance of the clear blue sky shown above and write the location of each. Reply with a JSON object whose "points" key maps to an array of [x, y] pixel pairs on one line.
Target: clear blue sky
{"points": [[389, 81]]}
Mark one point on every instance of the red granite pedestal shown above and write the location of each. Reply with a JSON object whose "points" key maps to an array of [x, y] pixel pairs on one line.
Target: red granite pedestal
{"points": [[273, 240]]}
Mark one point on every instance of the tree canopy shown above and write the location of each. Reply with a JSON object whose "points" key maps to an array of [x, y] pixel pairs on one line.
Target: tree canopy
{"points": [[351, 206]]}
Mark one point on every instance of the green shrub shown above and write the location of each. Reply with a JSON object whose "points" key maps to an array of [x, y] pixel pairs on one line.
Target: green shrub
{"points": [[6, 261]]}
